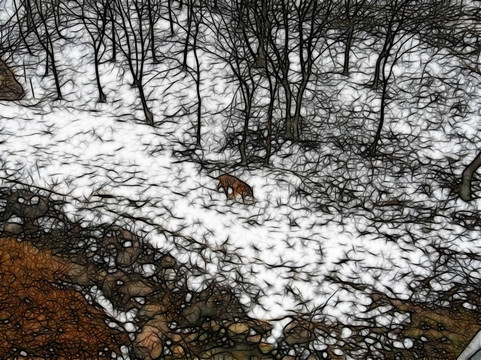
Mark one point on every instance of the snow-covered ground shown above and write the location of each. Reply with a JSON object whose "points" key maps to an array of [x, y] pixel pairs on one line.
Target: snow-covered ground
{"points": [[111, 166]]}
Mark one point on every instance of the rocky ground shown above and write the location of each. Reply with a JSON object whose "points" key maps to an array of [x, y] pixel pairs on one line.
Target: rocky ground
{"points": [[77, 290]]}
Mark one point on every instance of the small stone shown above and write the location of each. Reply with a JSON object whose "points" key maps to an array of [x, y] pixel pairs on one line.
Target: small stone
{"points": [[190, 337], [260, 327], [176, 338], [254, 339], [127, 256], [214, 325], [149, 340], [13, 228], [238, 328], [167, 262], [299, 331], [265, 348], [203, 337], [178, 351]]}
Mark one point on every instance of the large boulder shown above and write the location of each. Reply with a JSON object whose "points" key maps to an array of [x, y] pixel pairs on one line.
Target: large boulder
{"points": [[10, 88]]}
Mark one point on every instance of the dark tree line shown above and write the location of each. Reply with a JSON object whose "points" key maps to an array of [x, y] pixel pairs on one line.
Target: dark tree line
{"points": [[277, 51]]}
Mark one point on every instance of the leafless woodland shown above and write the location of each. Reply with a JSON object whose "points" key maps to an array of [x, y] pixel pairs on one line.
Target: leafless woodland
{"points": [[355, 124]]}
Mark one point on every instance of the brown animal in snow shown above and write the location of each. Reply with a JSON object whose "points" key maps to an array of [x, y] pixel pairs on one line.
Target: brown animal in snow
{"points": [[238, 187]]}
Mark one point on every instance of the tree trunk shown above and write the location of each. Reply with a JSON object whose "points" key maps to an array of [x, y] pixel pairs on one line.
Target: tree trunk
{"points": [[47, 44], [371, 151], [22, 34], [296, 121], [56, 78], [152, 33], [197, 86], [114, 41], [270, 110], [347, 50], [295, 125], [102, 96], [287, 90], [377, 71], [47, 64], [465, 187], [171, 20], [243, 143], [96, 44], [187, 36], [284, 63], [248, 104], [149, 117]]}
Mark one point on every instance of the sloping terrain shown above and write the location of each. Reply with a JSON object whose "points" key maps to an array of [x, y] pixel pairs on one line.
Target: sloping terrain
{"points": [[379, 247]]}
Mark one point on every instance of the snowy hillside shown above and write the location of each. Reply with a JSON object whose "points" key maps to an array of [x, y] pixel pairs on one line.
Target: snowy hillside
{"points": [[323, 210]]}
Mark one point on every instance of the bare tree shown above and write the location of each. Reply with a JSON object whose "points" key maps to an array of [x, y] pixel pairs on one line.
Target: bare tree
{"points": [[265, 27], [44, 26], [113, 36], [394, 21], [405, 21], [279, 55], [153, 10], [273, 94], [95, 16], [313, 21], [296, 39], [233, 46], [134, 44], [463, 42], [190, 17], [22, 21], [198, 20], [195, 15], [171, 17], [353, 12], [452, 26]]}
